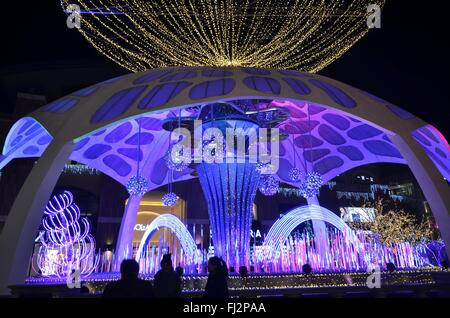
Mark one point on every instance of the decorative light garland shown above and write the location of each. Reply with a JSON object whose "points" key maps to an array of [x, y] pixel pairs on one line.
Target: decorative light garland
{"points": [[169, 199], [306, 35], [137, 186], [268, 185]]}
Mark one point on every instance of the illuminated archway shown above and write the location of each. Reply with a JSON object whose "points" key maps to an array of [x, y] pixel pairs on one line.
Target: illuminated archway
{"points": [[176, 226], [282, 228]]}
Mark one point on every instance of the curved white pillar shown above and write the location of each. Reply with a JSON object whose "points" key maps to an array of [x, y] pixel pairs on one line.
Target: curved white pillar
{"points": [[431, 181], [124, 246], [22, 225]]}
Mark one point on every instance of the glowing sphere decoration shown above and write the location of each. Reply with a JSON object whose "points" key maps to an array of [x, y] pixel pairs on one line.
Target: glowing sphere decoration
{"points": [[137, 186], [268, 185], [66, 242], [295, 175], [311, 187], [169, 199], [177, 159]]}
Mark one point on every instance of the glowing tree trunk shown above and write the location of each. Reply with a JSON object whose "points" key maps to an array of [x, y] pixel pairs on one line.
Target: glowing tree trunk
{"points": [[230, 190]]}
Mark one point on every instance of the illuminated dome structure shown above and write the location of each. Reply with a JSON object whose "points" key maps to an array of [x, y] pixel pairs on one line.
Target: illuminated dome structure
{"points": [[330, 128]]}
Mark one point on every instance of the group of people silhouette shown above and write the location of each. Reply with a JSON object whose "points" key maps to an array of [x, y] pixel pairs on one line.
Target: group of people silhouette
{"points": [[167, 281]]}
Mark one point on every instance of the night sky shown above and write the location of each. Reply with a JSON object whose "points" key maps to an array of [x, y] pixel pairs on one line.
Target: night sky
{"points": [[405, 62]]}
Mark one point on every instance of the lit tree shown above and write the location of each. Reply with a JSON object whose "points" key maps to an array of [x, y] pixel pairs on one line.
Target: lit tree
{"points": [[391, 226]]}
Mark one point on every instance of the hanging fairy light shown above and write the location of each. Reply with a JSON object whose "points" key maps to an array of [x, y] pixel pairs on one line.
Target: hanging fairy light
{"points": [[268, 185], [295, 174], [169, 199], [311, 187], [313, 180], [177, 158], [296, 34], [138, 185]]}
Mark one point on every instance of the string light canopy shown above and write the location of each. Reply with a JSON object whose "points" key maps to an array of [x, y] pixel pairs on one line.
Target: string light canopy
{"points": [[306, 35]]}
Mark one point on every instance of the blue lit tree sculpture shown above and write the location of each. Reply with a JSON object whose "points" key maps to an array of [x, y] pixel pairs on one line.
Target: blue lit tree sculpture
{"points": [[229, 189], [66, 244]]}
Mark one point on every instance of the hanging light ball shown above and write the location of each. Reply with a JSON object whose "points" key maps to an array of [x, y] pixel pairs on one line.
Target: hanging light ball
{"points": [[311, 187], [295, 174], [169, 199], [268, 185], [176, 159], [137, 185], [265, 168]]}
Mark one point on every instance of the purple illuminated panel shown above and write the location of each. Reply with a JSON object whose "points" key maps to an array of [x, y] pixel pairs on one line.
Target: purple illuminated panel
{"points": [[298, 86], [216, 73], [363, 132], [436, 147], [315, 154], [151, 77], [131, 153], [119, 133], [351, 153], [88, 91], [61, 106], [159, 172], [297, 113], [340, 122], [381, 148], [96, 151], [81, 144], [35, 128], [117, 164], [44, 140], [263, 84], [307, 142], [25, 126], [328, 164], [206, 89], [150, 123], [179, 76], [145, 139], [162, 94], [300, 126], [117, 104], [336, 94], [331, 135], [400, 112], [31, 150]]}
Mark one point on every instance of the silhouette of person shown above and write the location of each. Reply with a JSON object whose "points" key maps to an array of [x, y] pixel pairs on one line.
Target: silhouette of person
{"points": [[217, 285], [167, 282], [130, 285]]}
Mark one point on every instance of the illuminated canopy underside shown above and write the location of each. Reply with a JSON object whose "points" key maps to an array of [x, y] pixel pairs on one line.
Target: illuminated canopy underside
{"points": [[349, 127]]}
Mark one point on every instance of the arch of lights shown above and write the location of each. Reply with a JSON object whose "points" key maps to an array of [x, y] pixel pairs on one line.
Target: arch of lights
{"points": [[177, 227], [282, 228]]}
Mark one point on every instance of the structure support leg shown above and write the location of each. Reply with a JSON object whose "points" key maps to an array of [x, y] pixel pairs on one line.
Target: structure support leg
{"points": [[124, 248], [431, 181], [22, 224]]}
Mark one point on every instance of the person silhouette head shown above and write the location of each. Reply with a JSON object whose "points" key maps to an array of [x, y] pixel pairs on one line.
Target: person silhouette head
{"points": [[166, 262], [129, 269]]}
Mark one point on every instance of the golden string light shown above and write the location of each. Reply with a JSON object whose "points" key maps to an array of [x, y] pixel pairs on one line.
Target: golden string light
{"points": [[306, 35]]}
